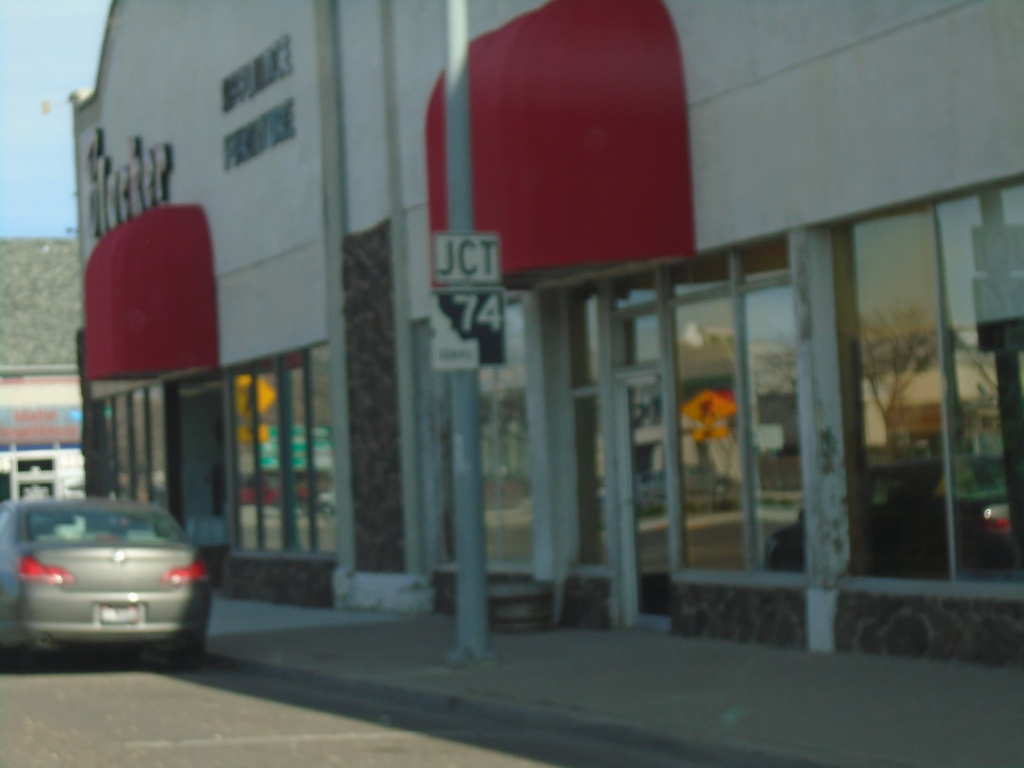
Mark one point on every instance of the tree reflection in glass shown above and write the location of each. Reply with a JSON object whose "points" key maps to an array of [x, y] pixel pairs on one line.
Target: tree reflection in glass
{"points": [[898, 523], [985, 377], [771, 351]]}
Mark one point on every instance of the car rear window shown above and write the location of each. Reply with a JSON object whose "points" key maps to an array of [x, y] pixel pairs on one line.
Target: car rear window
{"points": [[100, 525]]}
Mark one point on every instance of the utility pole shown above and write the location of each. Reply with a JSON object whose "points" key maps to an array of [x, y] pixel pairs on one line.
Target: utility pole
{"points": [[472, 642]]}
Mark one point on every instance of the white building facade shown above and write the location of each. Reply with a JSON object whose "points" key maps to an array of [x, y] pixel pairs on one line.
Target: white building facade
{"points": [[763, 344]]}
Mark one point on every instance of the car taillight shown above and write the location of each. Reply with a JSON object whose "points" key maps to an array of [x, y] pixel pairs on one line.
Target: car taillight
{"points": [[996, 517], [179, 576], [30, 569]]}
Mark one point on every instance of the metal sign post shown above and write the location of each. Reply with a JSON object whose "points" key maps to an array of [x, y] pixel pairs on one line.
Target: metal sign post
{"points": [[472, 642]]}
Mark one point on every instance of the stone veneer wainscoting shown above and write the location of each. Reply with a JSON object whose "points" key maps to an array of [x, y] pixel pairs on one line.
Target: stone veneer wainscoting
{"points": [[292, 581], [980, 630], [768, 615], [373, 401], [586, 602]]}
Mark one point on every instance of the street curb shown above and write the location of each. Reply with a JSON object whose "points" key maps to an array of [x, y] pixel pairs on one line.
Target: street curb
{"points": [[541, 715]]}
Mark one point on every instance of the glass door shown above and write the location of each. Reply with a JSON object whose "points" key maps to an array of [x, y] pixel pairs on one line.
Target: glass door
{"points": [[709, 446], [644, 466]]}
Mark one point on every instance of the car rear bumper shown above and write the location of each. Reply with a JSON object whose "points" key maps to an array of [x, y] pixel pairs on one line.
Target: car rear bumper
{"points": [[57, 636], [50, 617]]}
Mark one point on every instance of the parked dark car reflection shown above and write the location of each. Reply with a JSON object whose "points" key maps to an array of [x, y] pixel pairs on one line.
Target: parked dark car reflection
{"points": [[85, 573], [905, 526]]}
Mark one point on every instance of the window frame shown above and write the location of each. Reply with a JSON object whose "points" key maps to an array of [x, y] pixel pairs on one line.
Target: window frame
{"points": [[291, 506]]}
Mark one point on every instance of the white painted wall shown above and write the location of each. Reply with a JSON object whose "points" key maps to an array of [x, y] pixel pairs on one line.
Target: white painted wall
{"points": [[418, 228], [801, 111], [420, 45], [162, 80], [418, 57], [731, 44], [363, 103]]}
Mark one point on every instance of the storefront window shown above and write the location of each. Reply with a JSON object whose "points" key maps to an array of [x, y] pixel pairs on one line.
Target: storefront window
{"points": [[323, 450], [583, 337], [984, 316], [639, 337], [641, 395], [109, 448], [439, 437], [593, 543], [284, 454], [248, 523], [636, 328], [269, 492], [765, 260], [711, 467], [158, 457], [583, 342], [771, 365], [123, 446], [504, 450], [700, 274], [140, 454], [295, 441], [635, 291], [898, 524], [134, 457]]}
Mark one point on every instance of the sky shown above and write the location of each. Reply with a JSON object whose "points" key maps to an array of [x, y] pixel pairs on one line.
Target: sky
{"points": [[48, 48]]}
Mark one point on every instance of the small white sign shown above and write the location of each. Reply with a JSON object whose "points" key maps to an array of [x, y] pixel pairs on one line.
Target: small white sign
{"points": [[771, 438], [999, 290], [467, 258]]}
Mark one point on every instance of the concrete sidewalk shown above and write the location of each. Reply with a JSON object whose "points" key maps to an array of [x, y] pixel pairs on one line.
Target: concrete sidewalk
{"points": [[833, 710]]}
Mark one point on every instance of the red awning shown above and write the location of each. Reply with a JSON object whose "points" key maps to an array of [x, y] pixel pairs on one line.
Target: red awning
{"points": [[150, 296], [580, 137]]}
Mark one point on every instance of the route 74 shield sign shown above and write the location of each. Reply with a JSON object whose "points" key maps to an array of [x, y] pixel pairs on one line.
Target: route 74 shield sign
{"points": [[469, 329]]}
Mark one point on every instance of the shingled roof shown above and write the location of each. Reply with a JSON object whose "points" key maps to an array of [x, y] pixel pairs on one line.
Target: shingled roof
{"points": [[40, 301]]}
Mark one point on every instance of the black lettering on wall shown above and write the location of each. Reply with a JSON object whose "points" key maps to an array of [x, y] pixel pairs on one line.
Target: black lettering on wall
{"points": [[268, 130], [116, 195], [251, 78]]}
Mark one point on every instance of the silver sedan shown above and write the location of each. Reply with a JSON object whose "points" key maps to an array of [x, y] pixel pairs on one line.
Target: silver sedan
{"points": [[94, 572]]}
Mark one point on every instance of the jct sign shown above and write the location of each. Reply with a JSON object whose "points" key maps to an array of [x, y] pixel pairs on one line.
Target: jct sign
{"points": [[469, 258], [468, 317]]}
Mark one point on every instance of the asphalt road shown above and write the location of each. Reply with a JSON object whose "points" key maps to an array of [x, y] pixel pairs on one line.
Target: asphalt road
{"points": [[90, 713]]}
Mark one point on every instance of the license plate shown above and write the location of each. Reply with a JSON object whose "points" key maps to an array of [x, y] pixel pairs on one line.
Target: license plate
{"points": [[120, 614]]}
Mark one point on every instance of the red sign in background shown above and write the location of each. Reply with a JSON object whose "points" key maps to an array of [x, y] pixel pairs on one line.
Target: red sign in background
{"points": [[45, 424]]}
